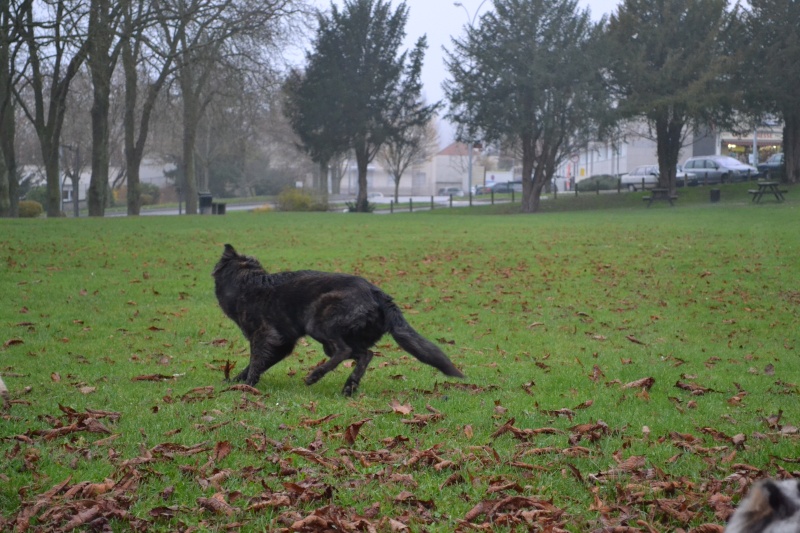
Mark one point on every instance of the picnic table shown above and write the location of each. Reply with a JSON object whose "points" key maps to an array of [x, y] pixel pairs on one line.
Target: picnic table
{"points": [[767, 187], [660, 195]]}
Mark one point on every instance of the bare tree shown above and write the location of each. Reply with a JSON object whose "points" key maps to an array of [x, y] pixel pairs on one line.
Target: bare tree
{"points": [[105, 17], [414, 144], [76, 136], [148, 50], [222, 34], [55, 36], [9, 45]]}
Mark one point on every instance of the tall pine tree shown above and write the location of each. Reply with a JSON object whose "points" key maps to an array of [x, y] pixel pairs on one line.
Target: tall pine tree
{"points": [[366, 90]]}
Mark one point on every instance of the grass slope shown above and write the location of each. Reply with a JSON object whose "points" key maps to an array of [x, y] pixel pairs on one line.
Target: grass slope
{"points": [[626, 367]]}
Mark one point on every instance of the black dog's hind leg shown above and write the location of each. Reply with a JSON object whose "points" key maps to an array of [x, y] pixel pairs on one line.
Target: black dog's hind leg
{"points": [[362, 362], [337, 351]]}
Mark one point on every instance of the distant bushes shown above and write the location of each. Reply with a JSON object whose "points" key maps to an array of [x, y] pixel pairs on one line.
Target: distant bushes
{"points": [[30, 209], [603, 182], [150, 194], [291, 199]]}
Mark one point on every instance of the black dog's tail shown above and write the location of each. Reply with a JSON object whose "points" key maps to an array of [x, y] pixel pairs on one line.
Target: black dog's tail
{"points": [[413, 342]]}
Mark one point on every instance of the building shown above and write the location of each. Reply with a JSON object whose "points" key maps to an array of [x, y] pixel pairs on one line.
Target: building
{"points": [[447, 168], [636, 146]]}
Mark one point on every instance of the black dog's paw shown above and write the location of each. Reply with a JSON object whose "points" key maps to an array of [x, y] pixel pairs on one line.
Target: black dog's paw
{"points": [[313, 377], [349, 389]]}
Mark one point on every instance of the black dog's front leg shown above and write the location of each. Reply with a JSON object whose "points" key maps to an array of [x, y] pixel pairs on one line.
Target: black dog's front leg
{"points": [[264, 354], [241, 376]]}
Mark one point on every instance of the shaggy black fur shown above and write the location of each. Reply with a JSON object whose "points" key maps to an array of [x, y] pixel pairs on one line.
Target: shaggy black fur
{"points": [[345, 313]]}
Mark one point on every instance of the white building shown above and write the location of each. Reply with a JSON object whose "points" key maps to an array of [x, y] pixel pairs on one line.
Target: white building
{"points": [[447, 168], [637, 147]]}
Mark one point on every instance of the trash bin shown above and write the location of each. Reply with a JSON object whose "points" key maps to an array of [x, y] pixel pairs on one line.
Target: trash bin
{"points": [[714, 193], [204, 202]]}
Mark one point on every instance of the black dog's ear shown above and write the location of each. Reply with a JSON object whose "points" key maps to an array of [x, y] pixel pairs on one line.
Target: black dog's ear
{"points": [[229, 251]]}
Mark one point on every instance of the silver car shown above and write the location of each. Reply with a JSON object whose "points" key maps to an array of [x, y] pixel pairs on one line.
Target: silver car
{"points": [[646, 177], [719, 169]]}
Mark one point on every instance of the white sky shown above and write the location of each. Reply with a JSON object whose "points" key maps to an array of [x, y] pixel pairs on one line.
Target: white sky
{"points": [[441, 19]]}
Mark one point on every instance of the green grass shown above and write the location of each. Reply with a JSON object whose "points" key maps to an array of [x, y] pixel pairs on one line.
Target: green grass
{"points": [[549, 316]]}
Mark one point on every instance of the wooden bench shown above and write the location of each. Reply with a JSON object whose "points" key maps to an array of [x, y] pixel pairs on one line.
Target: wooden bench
{"points": [[755, 192], [660, 194], [767, 187], [217, 208]]}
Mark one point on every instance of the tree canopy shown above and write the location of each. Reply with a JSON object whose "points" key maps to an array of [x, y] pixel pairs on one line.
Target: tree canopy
{"points": [[667, 65], [770, 59], [363, 89], [524, 76]]}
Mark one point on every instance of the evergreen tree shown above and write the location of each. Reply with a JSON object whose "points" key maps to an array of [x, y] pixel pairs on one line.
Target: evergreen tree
{"points": [[667, 65], [364, 90], [525, 77], [770, 69]]}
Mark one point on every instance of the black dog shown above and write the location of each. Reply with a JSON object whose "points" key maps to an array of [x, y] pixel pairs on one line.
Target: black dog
{"points": [[345, 313]]}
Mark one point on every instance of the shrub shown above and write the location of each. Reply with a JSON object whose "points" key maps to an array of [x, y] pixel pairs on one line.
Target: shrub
{"points": [[150, 194], [291, 199], [30, 209], [37, 194], [266, 208], [352, 207], [604, 182]]}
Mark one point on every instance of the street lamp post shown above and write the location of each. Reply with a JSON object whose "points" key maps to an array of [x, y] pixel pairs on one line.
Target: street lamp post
{"points": [[471, 143]]}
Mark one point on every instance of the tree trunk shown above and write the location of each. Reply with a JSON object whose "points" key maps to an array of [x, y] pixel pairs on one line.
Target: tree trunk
{"points": [[362, 162], [189, 169], [191, 119], [669, 128], [5, 202], [75, 178], [134, 198], [98, 185], [323, 180], [9, 181], [530, 199], [133, 153], [101, 66], [9, 163], [50, 158], [791, 146]]}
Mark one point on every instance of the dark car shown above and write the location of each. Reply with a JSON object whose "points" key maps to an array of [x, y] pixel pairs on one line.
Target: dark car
{"points": [[772, 167], [507, 187]]}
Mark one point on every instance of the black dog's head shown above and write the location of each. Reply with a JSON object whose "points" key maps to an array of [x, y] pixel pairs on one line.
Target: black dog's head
{"points": [[235, 273], [235, 263]]}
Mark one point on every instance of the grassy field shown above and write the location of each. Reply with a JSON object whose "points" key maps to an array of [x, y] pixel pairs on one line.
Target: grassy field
{"points": [[625, 367]]}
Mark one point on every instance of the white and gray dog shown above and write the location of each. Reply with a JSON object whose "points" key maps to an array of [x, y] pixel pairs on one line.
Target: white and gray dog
{"points": [[3, 392], [771, 506]]}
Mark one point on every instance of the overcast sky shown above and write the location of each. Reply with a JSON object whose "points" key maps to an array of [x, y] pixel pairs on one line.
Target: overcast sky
{"points": [[440, 20]]}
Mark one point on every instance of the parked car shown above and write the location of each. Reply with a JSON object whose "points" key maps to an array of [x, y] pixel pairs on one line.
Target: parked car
{"points": [[644, 177], [507, 187], [649, 174], [719, 169], [450, 191], [772, 167], [483, 189]]}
